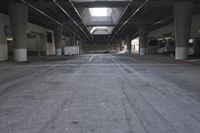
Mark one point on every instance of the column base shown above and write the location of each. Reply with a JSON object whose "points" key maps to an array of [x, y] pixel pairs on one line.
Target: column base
{"points": [[20, 54], [59, 51], [142, 51], [181, 53]]}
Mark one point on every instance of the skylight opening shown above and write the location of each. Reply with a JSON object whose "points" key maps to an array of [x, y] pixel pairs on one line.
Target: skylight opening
{"points": [[100, 12], [98, 28]]}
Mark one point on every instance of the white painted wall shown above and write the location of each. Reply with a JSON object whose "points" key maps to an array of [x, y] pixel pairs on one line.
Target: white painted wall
{"points": [[49, 48]]}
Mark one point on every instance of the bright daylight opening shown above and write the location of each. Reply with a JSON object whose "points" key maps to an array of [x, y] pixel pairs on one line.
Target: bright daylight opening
{"points": [[98, 28], [100, 12]]}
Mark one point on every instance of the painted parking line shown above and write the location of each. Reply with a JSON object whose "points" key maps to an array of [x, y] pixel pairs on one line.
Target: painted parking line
{"points": [[91, 58]]}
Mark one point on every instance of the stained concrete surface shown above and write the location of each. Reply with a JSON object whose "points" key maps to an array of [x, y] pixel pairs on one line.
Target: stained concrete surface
{"points": [[100, 94]]}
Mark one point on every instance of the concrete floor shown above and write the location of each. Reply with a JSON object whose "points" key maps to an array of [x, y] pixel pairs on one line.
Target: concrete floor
{"points": [[100, 94]]}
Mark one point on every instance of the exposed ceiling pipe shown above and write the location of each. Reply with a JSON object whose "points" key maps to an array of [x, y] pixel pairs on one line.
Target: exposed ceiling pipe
{"points": [[168, 18], [52, 19], [55, 1], [127, 6], [81, 19], [156, 23], [163, 20], [122, 31], [137, 10]]}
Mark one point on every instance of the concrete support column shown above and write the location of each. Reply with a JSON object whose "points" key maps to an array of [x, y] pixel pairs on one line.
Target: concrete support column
{"points": [[80, 47], [128, 43], [58, 32], [19, 19], [182, 23], [73, 40], [143, 37], [121, 45]]}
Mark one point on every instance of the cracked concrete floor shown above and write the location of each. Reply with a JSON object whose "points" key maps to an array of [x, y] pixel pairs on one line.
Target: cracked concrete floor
{"points": [[100, 94]]}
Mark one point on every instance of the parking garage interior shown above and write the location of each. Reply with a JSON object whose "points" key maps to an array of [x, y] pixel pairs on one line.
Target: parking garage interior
{"points": [[99, 66]]}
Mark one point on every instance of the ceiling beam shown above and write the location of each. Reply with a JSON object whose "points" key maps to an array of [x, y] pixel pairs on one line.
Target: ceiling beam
{"points": [[92, 24], [111, 4], [111, 24]]}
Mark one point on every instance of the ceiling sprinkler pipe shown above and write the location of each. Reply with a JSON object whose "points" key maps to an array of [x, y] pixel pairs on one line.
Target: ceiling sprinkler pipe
{"points": [[168, 18], [163, 20], [81, 19], [127, 6], [137, 10], [55, 21], [64, 11]]}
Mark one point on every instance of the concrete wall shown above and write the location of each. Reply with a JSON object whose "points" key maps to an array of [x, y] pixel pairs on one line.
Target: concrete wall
{"points": [[158, 33], [36, 44], [32, 44], [169, 29], [42, 33]]}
